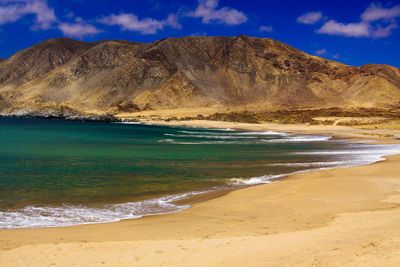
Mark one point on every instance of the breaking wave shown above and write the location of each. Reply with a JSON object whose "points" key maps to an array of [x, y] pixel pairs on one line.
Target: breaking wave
{"points": [[69, 215]]}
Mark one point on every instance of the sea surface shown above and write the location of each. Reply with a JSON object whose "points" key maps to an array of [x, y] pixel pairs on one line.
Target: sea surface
{"points": [[59, 173]]}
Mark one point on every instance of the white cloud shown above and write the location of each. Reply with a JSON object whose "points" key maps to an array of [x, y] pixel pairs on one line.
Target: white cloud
{"points": [[78, 29], [45, 16], [172, 21], [376, 22], [377, 12], [333, 27], [13, 10], [310, 17], [321, 52], [9, 14], [384, 31], [131, 22], [266, 28], [208, 11]]}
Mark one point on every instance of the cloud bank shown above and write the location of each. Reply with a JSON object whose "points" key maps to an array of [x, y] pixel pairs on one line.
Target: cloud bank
{"points": [[14, 10], [376, 22], [131, 22], [45, 18]]}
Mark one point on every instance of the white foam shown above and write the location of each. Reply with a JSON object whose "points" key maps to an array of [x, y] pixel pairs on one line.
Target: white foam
{"points": [[240, 140], [262, 133], [68, 215], [193, 132], [129, 122], [233, 132], [166, 141], [170, 141], [284, 137], [310, 164], [208, 133], [304, 138], [373, 150], [207, 136], [371, 155], [265, 179]]}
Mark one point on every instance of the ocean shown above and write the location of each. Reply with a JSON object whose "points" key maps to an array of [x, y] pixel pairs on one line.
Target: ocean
{"points": [[61, 173]]}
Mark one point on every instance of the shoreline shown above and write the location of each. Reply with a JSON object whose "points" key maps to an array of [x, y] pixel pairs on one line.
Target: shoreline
{"points": [[185, 199], [200, 222], [377, 135]]}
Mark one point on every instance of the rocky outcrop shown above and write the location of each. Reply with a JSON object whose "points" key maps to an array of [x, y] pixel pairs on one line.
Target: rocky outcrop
{"points": [[119, 76], [60, 112]]}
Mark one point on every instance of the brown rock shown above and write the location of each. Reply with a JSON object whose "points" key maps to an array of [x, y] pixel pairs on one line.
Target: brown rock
{"points": [[120, 76]]}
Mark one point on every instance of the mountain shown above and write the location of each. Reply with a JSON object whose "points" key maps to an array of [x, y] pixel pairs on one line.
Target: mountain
{"points": [[119, 76]]}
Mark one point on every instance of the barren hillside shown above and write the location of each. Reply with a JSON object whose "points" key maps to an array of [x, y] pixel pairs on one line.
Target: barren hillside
{"points": [[119, 76]]}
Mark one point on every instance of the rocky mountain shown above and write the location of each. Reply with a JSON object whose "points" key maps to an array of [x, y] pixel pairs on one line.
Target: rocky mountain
{"points": [[119, 76]]}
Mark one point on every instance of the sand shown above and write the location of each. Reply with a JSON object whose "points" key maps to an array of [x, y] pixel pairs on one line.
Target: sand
{"points": [[340, 217]]}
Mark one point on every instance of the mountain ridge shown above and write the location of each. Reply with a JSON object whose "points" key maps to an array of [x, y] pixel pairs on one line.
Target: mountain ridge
{"points": [[114, 76]]}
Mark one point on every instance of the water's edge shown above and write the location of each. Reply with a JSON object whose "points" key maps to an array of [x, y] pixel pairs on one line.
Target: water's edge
{"points": [[61, 216]]}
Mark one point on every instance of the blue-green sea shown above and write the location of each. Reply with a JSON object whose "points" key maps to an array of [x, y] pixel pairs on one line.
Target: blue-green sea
{"points": [[58, 173]]}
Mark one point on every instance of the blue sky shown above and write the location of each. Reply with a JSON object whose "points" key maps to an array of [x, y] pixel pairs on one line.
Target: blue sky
{"points": [[355, 32]]}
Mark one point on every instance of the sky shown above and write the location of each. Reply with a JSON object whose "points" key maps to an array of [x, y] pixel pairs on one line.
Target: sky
{"points": [[354, 32]]}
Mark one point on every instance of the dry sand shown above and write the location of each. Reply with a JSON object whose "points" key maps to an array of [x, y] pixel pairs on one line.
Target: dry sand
{"points": [[341, 217]]}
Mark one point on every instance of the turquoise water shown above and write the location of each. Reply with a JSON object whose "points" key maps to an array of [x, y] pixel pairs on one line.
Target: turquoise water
{"points": [[55, 172]]}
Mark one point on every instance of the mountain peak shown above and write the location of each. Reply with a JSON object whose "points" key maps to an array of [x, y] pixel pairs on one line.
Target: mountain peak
{"points": [[193, 71]]}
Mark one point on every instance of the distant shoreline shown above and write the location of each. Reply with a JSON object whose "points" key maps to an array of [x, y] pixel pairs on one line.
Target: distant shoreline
{"points": [[88, 118]]}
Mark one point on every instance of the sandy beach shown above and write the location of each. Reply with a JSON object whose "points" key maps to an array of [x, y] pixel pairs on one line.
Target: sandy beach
{"points": [[339, 217]]}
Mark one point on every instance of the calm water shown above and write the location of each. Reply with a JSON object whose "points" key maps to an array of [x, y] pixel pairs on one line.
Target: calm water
{"points": [[55, 172]]}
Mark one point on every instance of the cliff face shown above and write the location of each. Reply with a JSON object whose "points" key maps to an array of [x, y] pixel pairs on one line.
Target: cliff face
{"points": [[118, 76]]}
